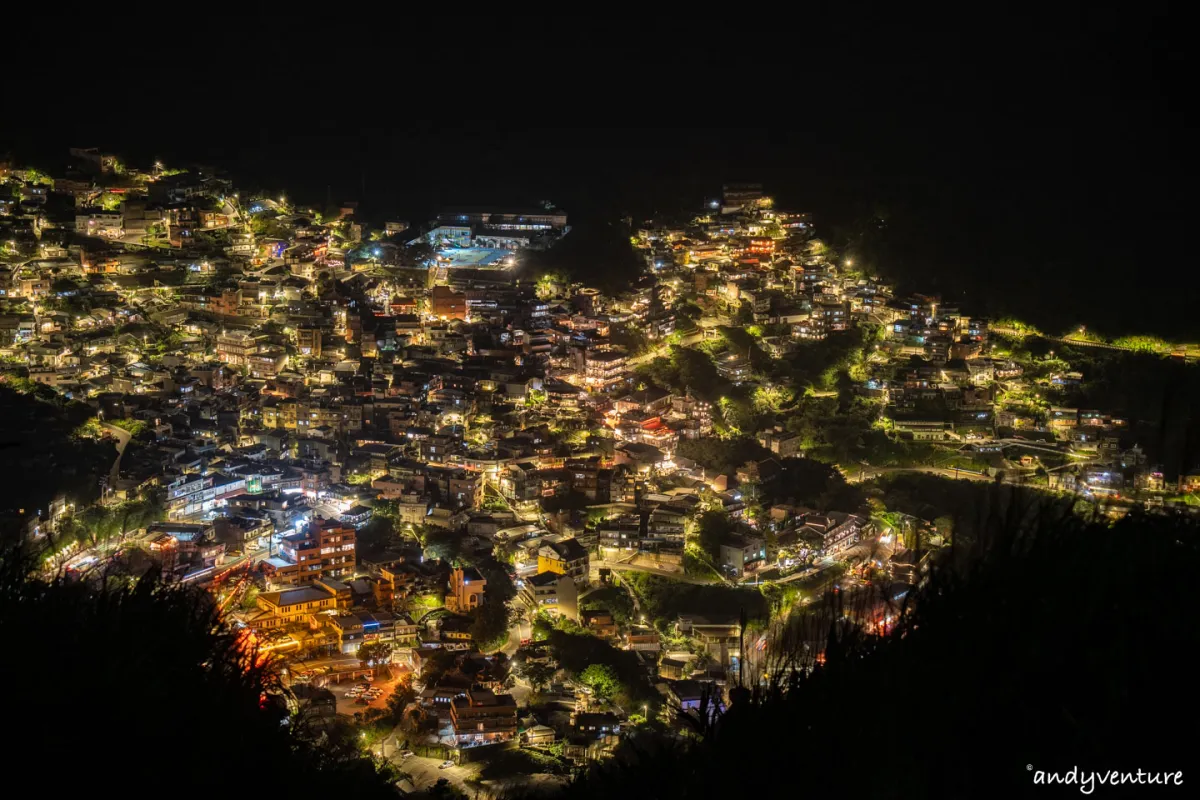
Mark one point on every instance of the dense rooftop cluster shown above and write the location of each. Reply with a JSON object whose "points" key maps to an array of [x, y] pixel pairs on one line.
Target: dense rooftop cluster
{"points": [[441, 449]]}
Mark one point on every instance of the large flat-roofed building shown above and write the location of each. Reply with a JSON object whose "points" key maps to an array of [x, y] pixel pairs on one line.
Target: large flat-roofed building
{"points": [[483, 717], [505, 219]]}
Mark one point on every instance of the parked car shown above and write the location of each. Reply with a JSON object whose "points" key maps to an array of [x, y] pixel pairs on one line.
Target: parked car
{"points": [[407, 754], [446, 765]]}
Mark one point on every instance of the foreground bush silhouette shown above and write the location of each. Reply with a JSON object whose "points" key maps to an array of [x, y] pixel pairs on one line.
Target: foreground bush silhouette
{"points": [[139, 689], [1067, 643]]}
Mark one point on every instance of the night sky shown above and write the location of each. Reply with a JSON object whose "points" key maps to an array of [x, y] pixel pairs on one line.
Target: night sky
{"points": [[1035, 166]]}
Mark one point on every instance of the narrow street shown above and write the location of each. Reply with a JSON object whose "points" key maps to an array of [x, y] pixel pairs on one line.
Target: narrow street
{"points": [[123, 436], [425, 772]]}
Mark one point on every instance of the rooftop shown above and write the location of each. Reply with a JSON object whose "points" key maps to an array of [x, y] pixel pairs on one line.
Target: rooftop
{"points": [[568, 549], [291, 597]]}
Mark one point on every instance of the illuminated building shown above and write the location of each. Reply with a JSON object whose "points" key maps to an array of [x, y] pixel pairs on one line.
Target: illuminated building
{"points": [[326, 549], [483, 717], [466, 590]]}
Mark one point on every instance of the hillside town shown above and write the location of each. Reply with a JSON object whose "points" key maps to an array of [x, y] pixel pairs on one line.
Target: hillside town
{"points": [[473, 499]]}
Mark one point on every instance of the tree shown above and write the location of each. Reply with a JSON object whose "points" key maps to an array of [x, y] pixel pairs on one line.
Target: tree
{"points": [[944, 526], [722, 455], [402, 696], [37, 176], [596, 254], [745, 313], [418, 720], [537, 674], [596, 517], [418, 253], [713, 529], [601, 679], [437, 665], [695, 371], [440, 543], [772, 398], [1038, 578], [121, 627], [490, 628], [63, 285], [375, 652], [43, 456], [544, 288]]}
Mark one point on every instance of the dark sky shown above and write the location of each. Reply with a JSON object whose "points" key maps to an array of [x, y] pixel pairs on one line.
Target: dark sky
{"points": [[1047, 155]]}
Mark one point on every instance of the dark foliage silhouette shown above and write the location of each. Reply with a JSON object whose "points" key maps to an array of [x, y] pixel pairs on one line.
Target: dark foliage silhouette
{"points": [[138, 687], [1061, 642]]}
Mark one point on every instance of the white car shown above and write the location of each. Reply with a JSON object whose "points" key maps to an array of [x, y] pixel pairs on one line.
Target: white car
{"points": [[407, 754], [446, 765]]}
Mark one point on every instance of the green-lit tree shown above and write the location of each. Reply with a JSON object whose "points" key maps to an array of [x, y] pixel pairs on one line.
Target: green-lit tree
{"points": [[601, 679]]}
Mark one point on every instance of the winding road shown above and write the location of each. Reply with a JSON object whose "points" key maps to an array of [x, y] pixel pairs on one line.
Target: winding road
{"points": [[678, 576], [123, 437]]}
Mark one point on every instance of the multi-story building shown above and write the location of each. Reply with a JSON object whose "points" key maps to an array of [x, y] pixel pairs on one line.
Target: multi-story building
{"points": [[734, 367], [450, 236], [834, 314], [937, 349], [306, 415], [352, 631], [466, 590], [743, 553], [483, 717], [292, 606], [1060, 417], [760, 245], [308, 341], [100, 223], [235, 348], [325, 550], [551, 592], [838, 530], [783, 443], [567, 557], [445, 303], [741, 194], [267, 362], [604, 370]]}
